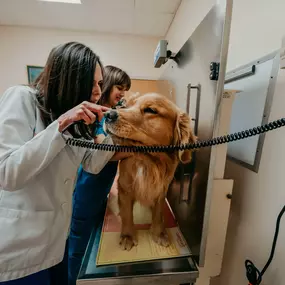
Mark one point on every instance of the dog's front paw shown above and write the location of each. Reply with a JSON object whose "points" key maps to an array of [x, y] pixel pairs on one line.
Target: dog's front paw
{"points": [[127, 242], [161, 239]]}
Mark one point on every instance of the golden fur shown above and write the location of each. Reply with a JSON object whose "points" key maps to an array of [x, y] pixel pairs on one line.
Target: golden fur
{"points": [[149, 119]]}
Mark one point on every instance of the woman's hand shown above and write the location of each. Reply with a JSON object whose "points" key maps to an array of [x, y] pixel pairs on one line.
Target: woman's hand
{"points": [[86, 111]]}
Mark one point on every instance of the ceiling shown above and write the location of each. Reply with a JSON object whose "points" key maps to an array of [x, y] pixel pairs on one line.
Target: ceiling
{"points": [[136, 17]]}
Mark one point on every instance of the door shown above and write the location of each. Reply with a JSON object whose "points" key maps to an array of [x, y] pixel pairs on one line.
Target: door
{"points": [[143, 86]]}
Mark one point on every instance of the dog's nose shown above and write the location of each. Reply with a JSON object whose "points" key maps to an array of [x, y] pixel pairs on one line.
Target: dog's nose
{"points": [[111, 116]]}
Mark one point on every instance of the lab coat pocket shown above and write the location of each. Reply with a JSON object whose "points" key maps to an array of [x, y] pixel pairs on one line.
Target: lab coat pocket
{"points": [[24, 238]]}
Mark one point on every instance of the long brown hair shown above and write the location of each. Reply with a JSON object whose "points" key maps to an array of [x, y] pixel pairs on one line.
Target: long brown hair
{"points": [[67, 79], [113, 76]]}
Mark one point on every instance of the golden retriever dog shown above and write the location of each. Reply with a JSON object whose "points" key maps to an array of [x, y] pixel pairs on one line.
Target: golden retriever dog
{"points": [[149, 119]]}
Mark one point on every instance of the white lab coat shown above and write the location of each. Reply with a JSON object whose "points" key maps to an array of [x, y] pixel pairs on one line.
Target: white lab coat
{"points": [[37, 176]]}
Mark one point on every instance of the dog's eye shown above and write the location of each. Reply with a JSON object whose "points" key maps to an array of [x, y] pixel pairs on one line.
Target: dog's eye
{"points": [[150, 110]]}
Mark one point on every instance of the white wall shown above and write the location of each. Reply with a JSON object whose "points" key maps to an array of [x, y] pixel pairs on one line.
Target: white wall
{"points": [[257, 29], [28, 46]]}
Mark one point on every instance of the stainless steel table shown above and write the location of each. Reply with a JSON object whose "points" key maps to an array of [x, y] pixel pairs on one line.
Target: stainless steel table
{"points": [[172, 271]]}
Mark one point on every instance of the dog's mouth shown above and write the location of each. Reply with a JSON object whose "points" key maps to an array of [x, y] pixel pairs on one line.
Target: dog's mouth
{"points": [[123, 134], [121, 139], [124, 140]]}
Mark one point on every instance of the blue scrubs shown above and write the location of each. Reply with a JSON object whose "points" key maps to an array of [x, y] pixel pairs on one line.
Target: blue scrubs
{"points": [[89, 203]]}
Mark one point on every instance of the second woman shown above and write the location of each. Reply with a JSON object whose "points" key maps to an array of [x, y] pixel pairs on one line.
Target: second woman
{"points": [[91, 191]]}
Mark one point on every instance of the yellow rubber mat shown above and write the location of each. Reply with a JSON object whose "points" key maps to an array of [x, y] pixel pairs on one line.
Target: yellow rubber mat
{"points": [[109, 251]]}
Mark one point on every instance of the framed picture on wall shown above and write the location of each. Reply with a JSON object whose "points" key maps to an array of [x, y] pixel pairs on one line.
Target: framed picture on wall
{"points": [[33, 72]]}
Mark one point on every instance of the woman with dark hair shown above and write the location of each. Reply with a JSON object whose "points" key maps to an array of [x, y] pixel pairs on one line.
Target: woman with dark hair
{"points": [[91, 190], [37, 167]]}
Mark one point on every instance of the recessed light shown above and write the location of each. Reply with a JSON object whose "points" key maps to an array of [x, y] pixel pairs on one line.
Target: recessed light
{"points": [[63, 1]]}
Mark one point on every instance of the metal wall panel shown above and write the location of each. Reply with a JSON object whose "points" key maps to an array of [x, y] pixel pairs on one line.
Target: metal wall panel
{"points": [[208, 43]]}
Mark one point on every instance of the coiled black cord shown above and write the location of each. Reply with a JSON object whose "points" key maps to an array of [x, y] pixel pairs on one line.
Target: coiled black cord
{"points": [[170, 148], [254, 276]]}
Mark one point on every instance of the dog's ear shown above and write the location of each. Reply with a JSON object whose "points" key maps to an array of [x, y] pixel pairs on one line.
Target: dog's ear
{"points": [[183, 135]]}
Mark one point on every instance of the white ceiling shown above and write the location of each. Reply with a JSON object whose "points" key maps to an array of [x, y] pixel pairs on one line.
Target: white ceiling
{"points": [[137, 17]]}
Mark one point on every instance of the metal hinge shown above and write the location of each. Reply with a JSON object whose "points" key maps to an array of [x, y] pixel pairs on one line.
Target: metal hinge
{"points": [[214, 68]]}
